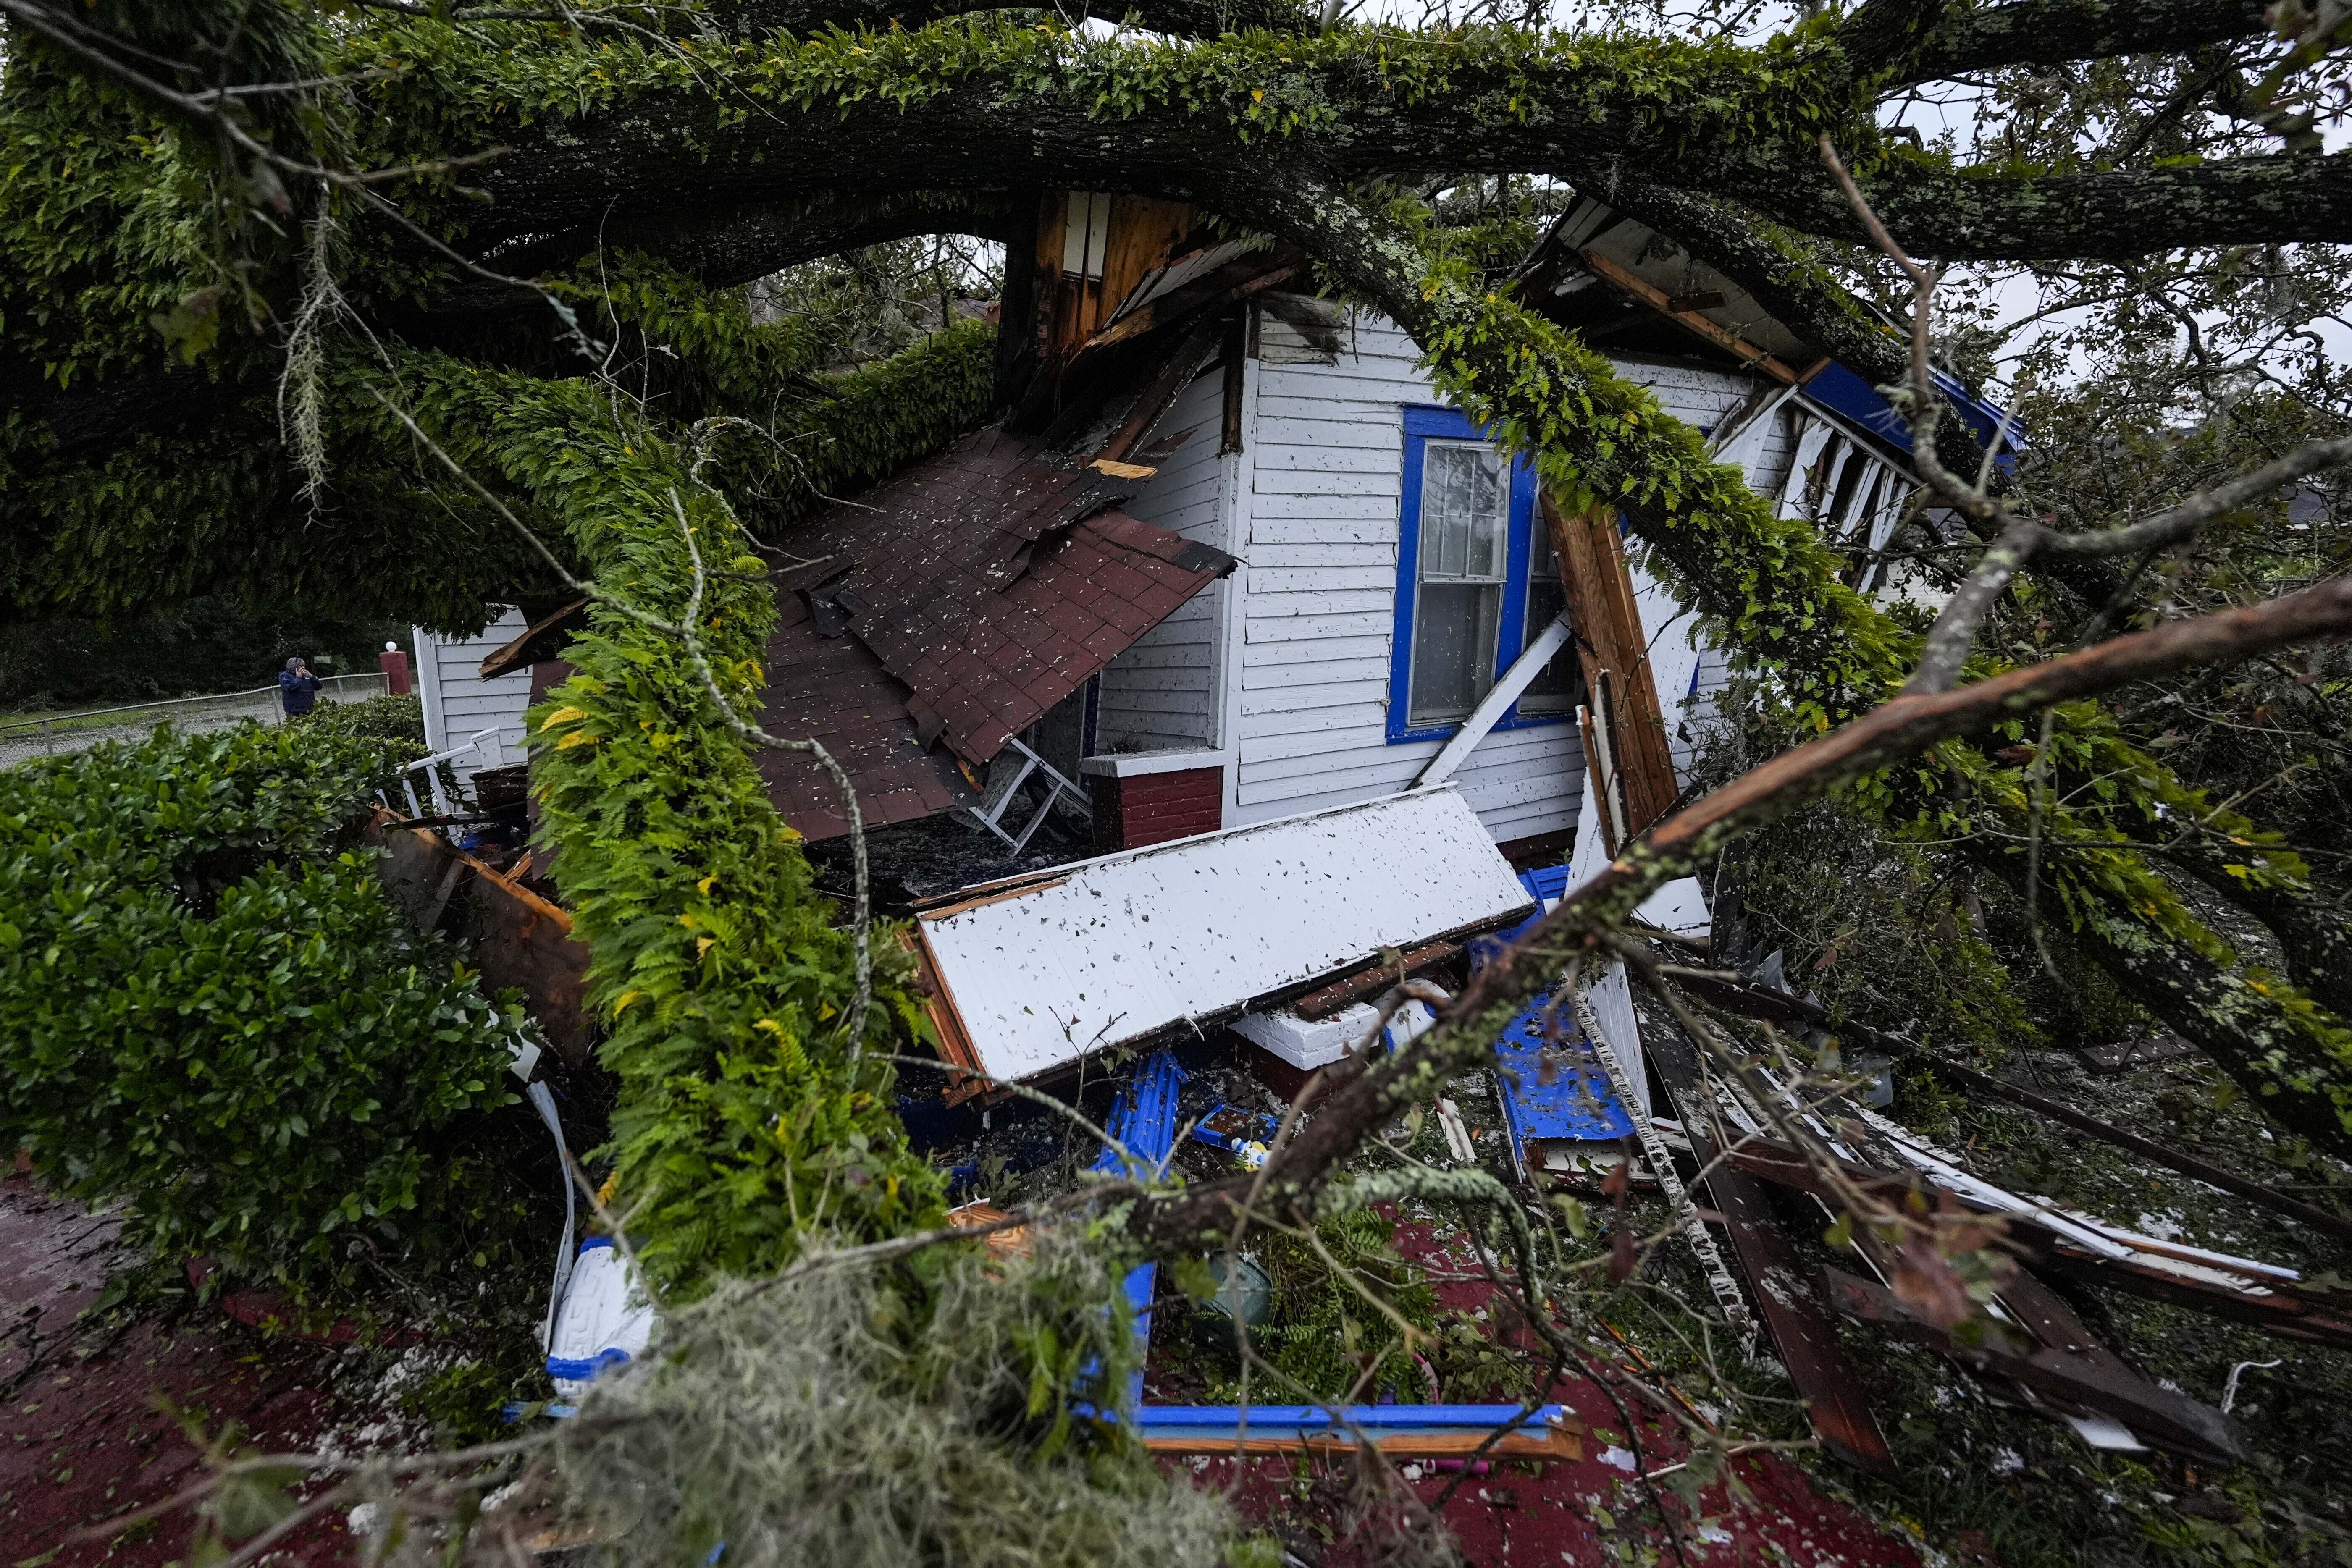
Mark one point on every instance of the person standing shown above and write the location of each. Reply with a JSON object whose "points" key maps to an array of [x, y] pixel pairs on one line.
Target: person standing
{"points": [[298, 688]]}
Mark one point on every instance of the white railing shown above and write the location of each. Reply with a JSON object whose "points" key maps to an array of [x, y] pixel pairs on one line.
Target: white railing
{"points": [[486, 741], [55, 734]]}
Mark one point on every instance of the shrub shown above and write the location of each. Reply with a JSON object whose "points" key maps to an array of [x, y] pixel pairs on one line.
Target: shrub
{"points": [[396, 723], [211, 1009]]}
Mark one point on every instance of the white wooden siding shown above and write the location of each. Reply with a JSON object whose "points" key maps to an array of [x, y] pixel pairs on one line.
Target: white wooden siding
{"points": [[1323, 462], [457, 702], [1165, 691], [1314, 516]]}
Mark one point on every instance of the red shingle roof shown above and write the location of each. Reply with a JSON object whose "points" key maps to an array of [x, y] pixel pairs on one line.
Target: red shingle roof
{"points": [[957, 602]]}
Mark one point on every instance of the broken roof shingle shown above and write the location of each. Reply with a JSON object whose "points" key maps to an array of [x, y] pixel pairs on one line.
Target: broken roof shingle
{"points": [[958, 601]]}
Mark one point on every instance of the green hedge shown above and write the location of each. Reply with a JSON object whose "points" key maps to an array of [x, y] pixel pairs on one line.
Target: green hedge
{"points": [[211, 1009]]}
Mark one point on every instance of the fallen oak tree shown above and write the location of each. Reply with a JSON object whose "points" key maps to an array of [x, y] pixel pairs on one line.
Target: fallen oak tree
{"points": [[1357, 1096]]}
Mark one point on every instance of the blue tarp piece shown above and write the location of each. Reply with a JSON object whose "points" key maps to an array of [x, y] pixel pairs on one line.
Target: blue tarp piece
{"points": [[1546, 887], [1579, 1104], [1840, 391], [1144, 1119]]}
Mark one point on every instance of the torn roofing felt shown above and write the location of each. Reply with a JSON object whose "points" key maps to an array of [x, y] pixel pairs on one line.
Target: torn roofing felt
{"points": [[944, 612]]}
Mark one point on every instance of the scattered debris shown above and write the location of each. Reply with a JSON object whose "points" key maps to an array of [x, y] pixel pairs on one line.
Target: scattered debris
{"points": [[1243, 1133], [2126, 1054], [605, 1321]]}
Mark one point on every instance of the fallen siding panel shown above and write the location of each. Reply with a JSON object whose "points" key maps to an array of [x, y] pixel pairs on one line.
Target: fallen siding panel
{"points": [[1114, 951]]}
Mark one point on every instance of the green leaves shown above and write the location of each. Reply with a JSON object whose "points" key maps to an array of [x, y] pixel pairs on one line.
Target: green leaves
{"points": [[211, 1008], [191, 327]]}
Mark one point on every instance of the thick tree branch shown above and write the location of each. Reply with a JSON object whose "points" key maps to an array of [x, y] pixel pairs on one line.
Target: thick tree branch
{"points": [[2118, 214], [1187, 18], [2038, 32], [1882, 34]]}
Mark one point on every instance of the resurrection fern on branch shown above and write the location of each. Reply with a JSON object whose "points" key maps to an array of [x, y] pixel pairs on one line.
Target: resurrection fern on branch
{"points": [[746, 1123]]}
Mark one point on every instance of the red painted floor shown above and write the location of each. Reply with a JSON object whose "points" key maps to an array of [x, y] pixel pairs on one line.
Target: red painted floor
{"points": [[85, 1437], [1578, 1512], [84, 1433]]}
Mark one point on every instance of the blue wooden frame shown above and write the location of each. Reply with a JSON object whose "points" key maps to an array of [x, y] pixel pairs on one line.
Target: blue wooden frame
{"points": [[1424, 423]]}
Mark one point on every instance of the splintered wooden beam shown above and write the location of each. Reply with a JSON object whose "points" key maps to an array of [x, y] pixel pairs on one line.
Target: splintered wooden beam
{"points": [[1778, 1007], [1606, 620], [1690, 320], [1174, 376], [1222, 286], [1793, 1310], [2276, 1304], [543, 639], [2100, 1383]]}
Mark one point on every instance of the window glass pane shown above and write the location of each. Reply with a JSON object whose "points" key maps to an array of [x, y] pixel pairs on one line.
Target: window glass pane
{"points": [[1453, 650], [1462, 510], [1561, 686]]}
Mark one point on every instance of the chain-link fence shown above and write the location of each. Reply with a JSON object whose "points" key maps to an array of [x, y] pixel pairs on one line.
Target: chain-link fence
{"points": [[50, 735]]}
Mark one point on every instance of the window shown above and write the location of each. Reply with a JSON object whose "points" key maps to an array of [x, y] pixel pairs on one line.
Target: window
{"points": [[1476, 583]]}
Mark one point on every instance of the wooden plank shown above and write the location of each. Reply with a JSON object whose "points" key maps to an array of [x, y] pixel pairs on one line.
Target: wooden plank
{"points": [[1349, 392], [1599, 584], [521, 939], [1276, 482], [517, 944], [1143, 235], [1558, 1445], [1376, 514], [543, 639], [1303, 699], [1495, 789], [1366, 716], [1285, 604], [1315, 628], [1378, 577], [1793, 1312], [1174, 374], [1495, 703], [1340, 995], [1691, 321], [1308, 429], [1289, 458], [1226, 285], [2106, 1385], [1371, 669], [1373, 552], [1373, 647]]}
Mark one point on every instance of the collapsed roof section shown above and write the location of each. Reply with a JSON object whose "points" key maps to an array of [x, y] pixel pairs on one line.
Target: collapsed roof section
{"points": [[947, 611], [1657, 295]]}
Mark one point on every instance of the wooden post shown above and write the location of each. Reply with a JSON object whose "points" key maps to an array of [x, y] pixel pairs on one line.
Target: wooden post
{"points": [[1615, 654]]}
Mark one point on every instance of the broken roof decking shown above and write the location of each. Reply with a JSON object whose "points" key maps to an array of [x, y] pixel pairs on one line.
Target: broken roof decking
{"points": [[956, 603], [1037, 972]]}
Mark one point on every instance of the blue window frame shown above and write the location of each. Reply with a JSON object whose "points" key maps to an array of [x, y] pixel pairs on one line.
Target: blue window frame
{"points": [[1474, 583]]}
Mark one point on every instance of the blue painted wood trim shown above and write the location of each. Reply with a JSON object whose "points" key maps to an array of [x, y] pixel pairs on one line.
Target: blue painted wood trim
{"points": [[1422, 423]]}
